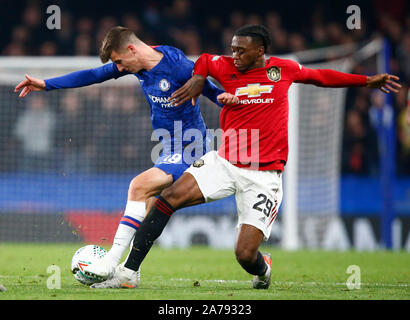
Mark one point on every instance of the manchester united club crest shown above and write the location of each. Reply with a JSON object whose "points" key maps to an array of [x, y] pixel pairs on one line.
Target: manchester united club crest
{"points": [[198, 163], [273, 74]]}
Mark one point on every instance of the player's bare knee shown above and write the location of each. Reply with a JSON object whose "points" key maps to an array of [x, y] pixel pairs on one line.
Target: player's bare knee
{"points": [[137, 191]]}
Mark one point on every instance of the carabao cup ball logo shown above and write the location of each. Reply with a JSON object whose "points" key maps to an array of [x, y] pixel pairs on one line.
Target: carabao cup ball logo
{"points": [[164, 85]]}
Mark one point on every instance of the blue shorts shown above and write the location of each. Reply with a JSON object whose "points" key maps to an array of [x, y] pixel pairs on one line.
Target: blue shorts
{"points": [[172, 164], [175, 164]]}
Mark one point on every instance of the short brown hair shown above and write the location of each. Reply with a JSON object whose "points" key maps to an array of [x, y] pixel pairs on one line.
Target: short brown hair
{"points": [[116, 39]]}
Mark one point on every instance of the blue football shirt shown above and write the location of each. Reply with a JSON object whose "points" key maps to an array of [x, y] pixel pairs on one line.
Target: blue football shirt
{"points": [[178, 128]]}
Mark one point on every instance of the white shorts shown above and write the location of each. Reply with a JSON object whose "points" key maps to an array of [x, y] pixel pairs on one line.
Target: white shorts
{"points": [[258, 194]]}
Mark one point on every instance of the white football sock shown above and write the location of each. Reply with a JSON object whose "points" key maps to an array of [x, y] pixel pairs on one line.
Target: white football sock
{"points": [[133, 216]]}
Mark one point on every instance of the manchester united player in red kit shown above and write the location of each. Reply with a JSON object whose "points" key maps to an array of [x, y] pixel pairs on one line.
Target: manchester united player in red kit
{"points": [[254, 147]]}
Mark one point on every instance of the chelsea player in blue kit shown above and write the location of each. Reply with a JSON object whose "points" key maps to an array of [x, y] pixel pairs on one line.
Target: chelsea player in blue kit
{"points": [[161, 70]]}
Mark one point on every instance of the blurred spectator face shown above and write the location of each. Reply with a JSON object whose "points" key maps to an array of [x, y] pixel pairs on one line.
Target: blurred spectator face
{"points": [[20, 34], [297, 42], [377, 99], [180, 7], [191, 42], [394, 30], [83, 45], [335, 33], [15, 49], [348, 38], [361, 104], [280, 39], [66, 22], [32, 16], [272, 21], [354, 124], [319, 34], [106, 23], [253, 19], [151, 14], [214, 24], [128, 151], [406, 43], [128, 104], [48, 48], [37, 103], [71, 103], [110, 100], [131, 22], [85, 25], [236, 19]]}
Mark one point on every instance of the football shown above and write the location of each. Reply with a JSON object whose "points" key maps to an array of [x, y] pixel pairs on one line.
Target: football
{"points": [[84, 257]]}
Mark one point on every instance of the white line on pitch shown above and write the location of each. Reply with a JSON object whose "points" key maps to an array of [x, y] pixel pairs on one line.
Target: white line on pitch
{"points": [[404, 285]]}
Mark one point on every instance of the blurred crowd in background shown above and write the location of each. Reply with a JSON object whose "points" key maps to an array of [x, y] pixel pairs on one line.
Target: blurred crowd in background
{"points": [[208, 26]]}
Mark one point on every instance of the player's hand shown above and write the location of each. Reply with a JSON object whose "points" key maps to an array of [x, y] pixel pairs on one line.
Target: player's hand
{"points": [[29, 85], [385, 82], [190, 90], [227, 98]]}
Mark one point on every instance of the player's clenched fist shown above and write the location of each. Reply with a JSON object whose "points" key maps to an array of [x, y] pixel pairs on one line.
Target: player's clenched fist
{"points": [[29, 85], [226, 98]]}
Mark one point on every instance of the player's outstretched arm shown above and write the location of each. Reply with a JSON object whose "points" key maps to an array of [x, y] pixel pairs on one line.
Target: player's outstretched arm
{"points": [[28, 85], [74, 79], [334, 79], [385, 82]]}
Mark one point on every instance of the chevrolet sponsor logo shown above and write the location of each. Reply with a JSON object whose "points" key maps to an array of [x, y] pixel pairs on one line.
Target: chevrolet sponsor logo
{"points": [[253, 90]]}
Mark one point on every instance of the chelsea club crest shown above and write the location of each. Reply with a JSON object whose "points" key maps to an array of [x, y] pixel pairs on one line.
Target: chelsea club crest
{"points": [[164, 85], [273, 74]]}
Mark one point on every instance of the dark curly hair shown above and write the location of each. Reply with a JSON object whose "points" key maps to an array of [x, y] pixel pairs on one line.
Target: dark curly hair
{"points": [[257, 32]]}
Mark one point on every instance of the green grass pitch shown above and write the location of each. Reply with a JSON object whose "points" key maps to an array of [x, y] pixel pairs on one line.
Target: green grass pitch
{"points": [[202, 273]]}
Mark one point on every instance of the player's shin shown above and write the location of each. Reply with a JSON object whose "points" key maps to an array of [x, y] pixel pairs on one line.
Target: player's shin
{"points": [[133, 216], [129, 224], [149, 231]]}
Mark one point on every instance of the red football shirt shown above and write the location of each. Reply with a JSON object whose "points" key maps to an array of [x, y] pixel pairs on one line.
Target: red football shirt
{"points": [[255, 131]]}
